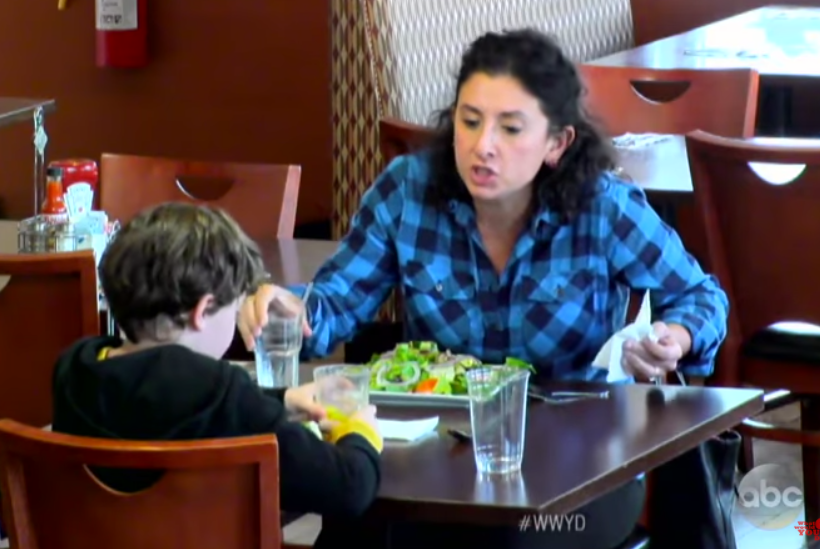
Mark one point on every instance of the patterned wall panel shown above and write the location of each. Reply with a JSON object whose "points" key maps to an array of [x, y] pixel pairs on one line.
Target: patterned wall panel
{"points": [[415, 45], [356, 159]]}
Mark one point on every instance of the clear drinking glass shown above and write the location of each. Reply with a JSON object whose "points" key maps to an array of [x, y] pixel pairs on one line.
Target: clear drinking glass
{"points": [[342, 388], [277, 348], [498, 417]]}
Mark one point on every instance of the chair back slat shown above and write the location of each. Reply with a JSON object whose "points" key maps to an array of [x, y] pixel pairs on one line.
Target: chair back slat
{"points": [[261, 197], [213, 494]]}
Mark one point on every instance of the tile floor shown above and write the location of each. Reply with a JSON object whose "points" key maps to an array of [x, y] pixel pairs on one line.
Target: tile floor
{"points": [[749, 537], [304, 531]]}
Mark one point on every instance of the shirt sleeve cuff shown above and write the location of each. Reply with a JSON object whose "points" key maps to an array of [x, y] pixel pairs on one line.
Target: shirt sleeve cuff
{"points": [[357, 427], [700, 361]]}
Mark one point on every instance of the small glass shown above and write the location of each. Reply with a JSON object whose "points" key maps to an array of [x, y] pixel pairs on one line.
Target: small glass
{"points": [[342, 388], [498, 417], [277, 348]]}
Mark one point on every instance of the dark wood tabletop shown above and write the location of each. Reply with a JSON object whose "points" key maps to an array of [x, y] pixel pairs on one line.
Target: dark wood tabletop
{"points": [[777, 41], [574, 453], [288, 261], [8, 237], [295, 261]]}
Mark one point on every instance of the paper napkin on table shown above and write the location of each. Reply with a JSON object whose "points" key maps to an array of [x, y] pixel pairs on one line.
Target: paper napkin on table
{"points": [[639, 140], [609, 357], [410, 430]]}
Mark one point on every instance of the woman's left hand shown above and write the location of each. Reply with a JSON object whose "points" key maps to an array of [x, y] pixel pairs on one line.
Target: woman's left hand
{"points": [[649, 359], [302, 400]]}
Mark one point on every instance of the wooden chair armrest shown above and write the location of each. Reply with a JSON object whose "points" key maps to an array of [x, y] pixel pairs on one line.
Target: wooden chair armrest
{"points": [[776, 433]]}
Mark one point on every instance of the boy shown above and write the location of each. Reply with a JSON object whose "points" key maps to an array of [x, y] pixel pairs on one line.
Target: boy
{"points": [[174, 277]]}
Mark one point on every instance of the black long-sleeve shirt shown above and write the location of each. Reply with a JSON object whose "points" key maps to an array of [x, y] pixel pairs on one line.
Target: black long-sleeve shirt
{"points": [[172, 393]]}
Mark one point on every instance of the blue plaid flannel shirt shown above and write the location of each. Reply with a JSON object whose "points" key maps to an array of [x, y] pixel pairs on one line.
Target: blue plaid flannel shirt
{"points": [[563, 293]]}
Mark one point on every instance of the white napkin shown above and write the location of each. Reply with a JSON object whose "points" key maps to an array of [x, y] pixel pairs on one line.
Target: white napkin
{"points": [[609, 357], [638, 140], [407, 430]]}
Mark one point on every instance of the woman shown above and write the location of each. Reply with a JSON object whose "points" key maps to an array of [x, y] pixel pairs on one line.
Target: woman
{"points": [[510, 237]]}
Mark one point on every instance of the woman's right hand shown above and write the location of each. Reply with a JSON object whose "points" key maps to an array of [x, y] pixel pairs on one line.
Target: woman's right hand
{"points": [[253, 315]]}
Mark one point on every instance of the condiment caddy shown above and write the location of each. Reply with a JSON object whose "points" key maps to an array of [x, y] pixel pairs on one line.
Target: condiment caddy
{"points": [[66, 222]]}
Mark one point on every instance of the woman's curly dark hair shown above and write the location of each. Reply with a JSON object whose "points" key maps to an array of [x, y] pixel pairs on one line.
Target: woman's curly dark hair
{"points": [[537, 62]]}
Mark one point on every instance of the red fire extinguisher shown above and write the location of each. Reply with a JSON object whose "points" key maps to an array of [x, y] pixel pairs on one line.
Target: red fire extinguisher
{"points": [[122, 36]]}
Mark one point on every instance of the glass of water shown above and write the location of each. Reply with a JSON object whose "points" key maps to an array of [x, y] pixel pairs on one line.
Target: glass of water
{"points": [[277, 348], [498, 417], [342, 388]]}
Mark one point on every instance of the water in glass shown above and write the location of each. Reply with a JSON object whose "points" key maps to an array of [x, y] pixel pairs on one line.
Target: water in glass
{"points": [[498, 416], [277, 367], [277, 350]]}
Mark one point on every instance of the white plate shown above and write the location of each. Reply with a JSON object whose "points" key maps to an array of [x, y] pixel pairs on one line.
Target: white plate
{"points": [[415, 399]]}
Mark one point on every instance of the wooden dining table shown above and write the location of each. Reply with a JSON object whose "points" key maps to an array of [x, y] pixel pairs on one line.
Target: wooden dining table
{"points": [[295, 261], [574, 452], [288, 261], [779, 42], [662, 168], [776, 41]]}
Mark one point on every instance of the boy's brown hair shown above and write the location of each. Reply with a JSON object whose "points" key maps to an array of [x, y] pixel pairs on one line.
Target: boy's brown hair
{"points": [[162, 262]]}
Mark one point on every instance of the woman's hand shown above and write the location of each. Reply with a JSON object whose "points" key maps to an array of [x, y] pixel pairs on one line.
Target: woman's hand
{"points": [[650, 359], [302, 401], [253, 315]]}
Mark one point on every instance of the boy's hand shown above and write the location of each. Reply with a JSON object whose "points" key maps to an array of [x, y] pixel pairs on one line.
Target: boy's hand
{"points": [[253, 315], [301, 400]]}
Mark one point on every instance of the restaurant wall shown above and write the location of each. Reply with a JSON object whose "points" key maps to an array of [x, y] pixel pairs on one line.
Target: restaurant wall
{"points": [[227, 80]]}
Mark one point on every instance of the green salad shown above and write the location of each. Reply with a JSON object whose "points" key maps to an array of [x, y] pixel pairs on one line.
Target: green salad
{"points": [[420, 367]]}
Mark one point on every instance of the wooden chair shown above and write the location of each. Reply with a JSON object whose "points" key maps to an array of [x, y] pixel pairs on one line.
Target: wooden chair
{"points": [[47, 302], [262, 197], [640, 100], [397, 138], [762, 244], [215, 494]]}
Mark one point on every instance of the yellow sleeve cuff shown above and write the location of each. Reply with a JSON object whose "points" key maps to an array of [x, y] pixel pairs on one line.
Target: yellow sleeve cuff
{"points": [[355, 426]]}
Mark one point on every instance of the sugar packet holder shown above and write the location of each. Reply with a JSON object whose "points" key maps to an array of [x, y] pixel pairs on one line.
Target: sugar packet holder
{"points": [[93, 222], [79, 199], [97, 232]]}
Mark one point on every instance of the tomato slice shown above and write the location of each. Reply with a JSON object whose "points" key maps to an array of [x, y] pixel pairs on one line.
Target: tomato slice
{"points": [[427, 385]]}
